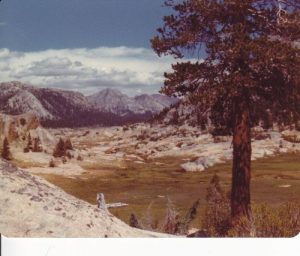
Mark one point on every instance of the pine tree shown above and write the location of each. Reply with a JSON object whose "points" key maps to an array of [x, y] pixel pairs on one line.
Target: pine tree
{"points": [[60, 149], [6, 154], [37, 145], [29, 142], [68, 144], [251, 62]]}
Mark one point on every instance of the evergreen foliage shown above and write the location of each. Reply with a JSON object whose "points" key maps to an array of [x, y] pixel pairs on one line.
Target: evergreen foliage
{"points": [[251, 64], [37, 145], [68, 144], [60, 149]]}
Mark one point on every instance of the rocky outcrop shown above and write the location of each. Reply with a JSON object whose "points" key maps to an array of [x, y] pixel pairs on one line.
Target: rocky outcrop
{"points": [[16, 128], [25, 102], [32, 207]]}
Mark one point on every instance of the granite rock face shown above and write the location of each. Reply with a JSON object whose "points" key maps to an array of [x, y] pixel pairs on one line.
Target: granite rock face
{"points": [[32, 207]]}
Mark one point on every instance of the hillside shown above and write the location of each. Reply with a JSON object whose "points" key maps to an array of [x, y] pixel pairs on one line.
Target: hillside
{"points": [[60, 108], [32, 207]]}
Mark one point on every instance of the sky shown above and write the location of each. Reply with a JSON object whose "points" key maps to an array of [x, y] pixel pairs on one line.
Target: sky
{"points": [[82, 45]]}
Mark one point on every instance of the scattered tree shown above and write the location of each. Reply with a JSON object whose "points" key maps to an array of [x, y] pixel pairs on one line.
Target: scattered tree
{"points": [[60, 149], [251, 61], [217, 212], [29, 143], [22, 121], [133, 221], [68, 144], [37, 145], [6, 154], [52, 163]]}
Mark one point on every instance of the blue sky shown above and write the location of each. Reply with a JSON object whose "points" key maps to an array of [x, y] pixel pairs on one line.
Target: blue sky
{"points": [[32, 25], [82, 45]]}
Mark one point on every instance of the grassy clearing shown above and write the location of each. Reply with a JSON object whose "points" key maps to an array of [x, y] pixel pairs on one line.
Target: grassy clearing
{"points": [[147, 187]]}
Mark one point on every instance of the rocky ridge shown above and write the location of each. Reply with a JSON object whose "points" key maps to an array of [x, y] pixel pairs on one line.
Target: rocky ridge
{"points": [[60, 108], [116, 102], [17, 128]]}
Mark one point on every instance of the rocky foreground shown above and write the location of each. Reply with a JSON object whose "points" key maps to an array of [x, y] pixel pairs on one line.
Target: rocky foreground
{"points": [[32, 207]]}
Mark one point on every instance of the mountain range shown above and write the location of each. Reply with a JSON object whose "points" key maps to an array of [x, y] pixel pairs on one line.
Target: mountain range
{"points": [[61, 108], [114, 101]]}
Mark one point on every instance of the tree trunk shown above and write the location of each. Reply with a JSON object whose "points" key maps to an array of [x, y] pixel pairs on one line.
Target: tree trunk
{"points": [[241, 169]]}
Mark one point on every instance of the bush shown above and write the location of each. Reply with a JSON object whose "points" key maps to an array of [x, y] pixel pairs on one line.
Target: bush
{"points": [[217, 213], [133, 221], [172, 222], [52, 163], [282, 221], [22, 121], [64, 160]]}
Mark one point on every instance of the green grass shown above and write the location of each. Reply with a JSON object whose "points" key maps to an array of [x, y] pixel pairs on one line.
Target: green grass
{"points": [[142, 185]]}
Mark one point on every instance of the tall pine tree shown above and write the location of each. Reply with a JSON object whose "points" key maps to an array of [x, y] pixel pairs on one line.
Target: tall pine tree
{"points": [[251, 60]]}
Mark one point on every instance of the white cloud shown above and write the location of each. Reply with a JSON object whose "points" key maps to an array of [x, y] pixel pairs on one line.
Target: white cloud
{"points": [[131, 70]]}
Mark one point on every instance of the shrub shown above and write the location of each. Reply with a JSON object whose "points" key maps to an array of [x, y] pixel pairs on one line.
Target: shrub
{"points": [[22, 121], [283, 221], [172, 222], [133, 221], [217, 213], [147, 221], [52, 163], [64, 160]]}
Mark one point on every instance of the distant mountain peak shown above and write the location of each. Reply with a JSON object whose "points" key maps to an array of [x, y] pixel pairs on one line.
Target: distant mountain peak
{"points": [[24, 101], [69, 108], [117, 102]]}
